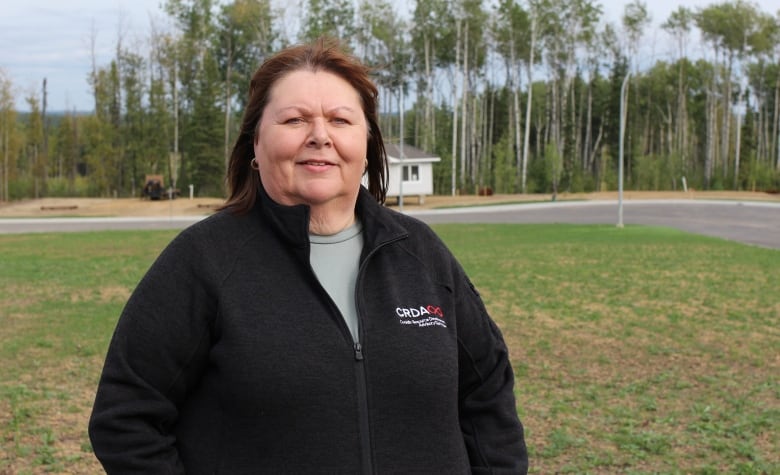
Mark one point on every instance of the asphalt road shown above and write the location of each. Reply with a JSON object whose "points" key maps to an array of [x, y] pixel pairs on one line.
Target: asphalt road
{"points": [[749, 222]]}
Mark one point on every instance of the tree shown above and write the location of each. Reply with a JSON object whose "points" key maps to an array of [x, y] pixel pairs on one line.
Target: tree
{"points": [[334, 18], [565, 26], [35, 167], [243, 38], [432, 36], [727, 27], [473, 20], [383, 43], [67, 152], [635, 19], [133, 128], [8, 134], [514, 35], [196, 88], [679, 25]]}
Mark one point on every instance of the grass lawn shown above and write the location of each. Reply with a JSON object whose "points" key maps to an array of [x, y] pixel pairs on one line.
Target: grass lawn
{"points": [[636, 350]]}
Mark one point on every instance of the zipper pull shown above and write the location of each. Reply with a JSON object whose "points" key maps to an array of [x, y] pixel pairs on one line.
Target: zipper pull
{"points": [[358, 351]]}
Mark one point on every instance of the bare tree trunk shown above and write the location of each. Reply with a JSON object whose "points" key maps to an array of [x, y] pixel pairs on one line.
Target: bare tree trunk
{"points": [[594, 150], [736, 151], [489, 126], [45, 153], [432, 130], [548, 129], [527, 132], [172, 169], [669, 149], [228, 93], [515, 85], [579, 157], [464, 98], [428, 136], [455, 112], [5, 160], [682, 122], [762, 131], [509, 146], [586, 155], [725, 135], [516, 113], [475, 144], [775, 141], [709, 145]]}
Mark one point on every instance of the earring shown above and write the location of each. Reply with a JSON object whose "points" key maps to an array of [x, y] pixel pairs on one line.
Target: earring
{"points": [[365, 166], [253, 164]]}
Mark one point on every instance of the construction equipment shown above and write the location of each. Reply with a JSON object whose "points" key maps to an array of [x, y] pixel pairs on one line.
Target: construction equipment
{"points": [[155, 189]]}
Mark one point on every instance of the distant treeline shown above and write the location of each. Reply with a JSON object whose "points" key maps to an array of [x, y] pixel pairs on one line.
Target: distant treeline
{"points": [[514, 97]]}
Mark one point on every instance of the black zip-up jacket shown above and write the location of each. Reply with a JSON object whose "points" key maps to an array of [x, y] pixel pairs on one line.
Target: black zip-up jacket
{"points": [[229, 357]]}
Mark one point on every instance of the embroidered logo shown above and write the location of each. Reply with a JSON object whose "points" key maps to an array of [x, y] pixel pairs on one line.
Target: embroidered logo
{"points": [[422, 316]]}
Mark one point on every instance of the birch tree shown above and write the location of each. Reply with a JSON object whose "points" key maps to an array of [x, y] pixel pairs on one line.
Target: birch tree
{"points": [[635, 20], [679, 25], [514, 37], [727, 26], [432, 37], [8, 135], [384, 45]]}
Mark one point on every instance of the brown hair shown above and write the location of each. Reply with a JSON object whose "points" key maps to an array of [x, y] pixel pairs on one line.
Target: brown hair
{"points": [[322, 55]]}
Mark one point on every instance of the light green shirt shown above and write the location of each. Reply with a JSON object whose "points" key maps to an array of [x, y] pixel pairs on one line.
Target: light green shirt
{"points": [[335, 260]]}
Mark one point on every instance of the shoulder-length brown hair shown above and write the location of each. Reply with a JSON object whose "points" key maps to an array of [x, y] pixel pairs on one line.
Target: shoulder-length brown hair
{"points": [[322, 55]]}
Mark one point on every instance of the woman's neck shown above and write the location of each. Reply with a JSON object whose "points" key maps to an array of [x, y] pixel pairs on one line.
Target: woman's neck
{"points": [[325, 221]]}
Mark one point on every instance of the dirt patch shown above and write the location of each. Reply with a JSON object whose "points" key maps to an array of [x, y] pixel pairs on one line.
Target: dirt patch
{"points": [[106, 207], [134, 207]]}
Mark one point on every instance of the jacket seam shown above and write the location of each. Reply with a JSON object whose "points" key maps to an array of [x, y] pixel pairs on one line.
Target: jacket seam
{"points": [[212, 321]]}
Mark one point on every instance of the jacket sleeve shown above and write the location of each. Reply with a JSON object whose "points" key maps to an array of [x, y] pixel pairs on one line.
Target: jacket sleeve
{"points": [[155, 357], [491, 429]]}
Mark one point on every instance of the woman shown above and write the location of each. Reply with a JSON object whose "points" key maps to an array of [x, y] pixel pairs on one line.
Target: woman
{"points": [[305, 328]]}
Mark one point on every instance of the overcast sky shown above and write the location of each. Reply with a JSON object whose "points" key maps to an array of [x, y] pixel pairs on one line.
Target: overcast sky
{"points": [[53, 39]]}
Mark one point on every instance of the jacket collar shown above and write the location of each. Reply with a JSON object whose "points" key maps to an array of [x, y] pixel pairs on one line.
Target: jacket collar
{"points": [[292, 222]]}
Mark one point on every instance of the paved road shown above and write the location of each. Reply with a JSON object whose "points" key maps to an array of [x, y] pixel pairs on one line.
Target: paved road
{"points": [[749, 222]]}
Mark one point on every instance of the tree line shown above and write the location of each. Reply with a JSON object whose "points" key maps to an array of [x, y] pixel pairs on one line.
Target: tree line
{"points": [[515, 97]]}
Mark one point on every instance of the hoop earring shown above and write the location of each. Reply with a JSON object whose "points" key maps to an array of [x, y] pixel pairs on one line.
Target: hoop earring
{"points": [[253, 164], [365, 167]]}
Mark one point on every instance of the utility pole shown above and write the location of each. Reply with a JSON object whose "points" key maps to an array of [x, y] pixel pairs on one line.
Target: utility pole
{"points": [[401, 150]]}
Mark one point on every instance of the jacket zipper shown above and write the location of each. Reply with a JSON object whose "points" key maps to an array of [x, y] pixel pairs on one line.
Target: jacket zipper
{"points": [[366, 452], [366, 460]]}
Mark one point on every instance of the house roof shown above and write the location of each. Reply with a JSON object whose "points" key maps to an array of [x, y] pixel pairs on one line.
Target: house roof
{"points": [[411, 154]]}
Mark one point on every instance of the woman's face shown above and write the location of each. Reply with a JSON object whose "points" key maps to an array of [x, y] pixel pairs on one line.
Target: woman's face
{"points": [[312, 140]]}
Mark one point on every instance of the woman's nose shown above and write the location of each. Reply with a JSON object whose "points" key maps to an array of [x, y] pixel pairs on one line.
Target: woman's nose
{"points": [[319, 136]]}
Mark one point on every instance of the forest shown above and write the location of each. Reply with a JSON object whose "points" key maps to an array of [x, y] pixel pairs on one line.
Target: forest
{"points": [[538, 96]]}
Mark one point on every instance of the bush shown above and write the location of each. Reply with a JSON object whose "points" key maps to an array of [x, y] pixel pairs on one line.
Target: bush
{"points": [[758, 176], [654, 172], [21, 188]]}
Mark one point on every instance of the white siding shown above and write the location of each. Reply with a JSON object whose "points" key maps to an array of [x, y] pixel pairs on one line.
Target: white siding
{"points": [[423, 185]]}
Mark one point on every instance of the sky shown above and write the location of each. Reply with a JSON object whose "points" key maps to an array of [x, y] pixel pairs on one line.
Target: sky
{"points": [[53, 39]]}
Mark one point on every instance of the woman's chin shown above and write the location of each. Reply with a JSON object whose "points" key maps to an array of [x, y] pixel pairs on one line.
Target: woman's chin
{"points": [[319, 197], [315, 194]]}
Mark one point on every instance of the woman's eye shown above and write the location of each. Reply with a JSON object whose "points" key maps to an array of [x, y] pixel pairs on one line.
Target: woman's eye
{"points": [[294, 120], [340, 120]]}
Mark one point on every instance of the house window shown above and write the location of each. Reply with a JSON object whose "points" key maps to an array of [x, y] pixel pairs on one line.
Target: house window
{"points": [[411, 173]]}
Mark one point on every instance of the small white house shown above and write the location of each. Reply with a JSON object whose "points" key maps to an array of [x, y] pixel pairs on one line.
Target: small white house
{"points": [[416, 168]]}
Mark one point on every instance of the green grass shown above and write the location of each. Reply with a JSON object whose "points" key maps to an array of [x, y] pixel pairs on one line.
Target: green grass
{"points": [[636, 350]]}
